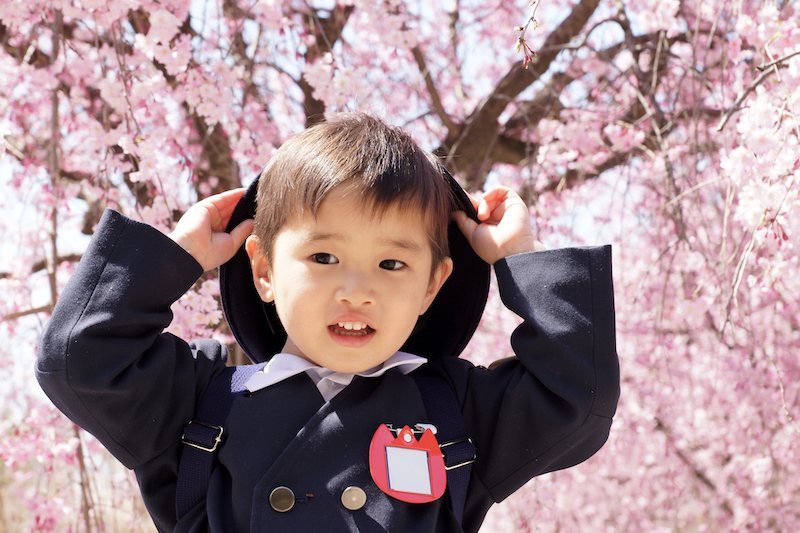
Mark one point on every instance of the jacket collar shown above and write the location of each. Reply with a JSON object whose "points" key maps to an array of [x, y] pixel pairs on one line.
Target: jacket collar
{"points": [[329, 383]]}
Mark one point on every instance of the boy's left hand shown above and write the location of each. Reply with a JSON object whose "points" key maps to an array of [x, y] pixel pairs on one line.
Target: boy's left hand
{"points": [[505, 226]]}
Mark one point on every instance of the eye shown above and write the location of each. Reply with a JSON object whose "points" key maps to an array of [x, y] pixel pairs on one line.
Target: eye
{"points": [[392, 264], [324, 259]]}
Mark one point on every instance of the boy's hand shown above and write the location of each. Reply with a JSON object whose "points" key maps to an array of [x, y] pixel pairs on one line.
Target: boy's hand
{"points": [[505, 227], [201, 230]]}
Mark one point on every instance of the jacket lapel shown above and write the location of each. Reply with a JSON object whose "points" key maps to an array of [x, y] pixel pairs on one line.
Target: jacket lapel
{"points": [[331, 453]]}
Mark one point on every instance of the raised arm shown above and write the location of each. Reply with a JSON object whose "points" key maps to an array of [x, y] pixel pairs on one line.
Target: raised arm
{"points": [[104, 359], [550, 407]]}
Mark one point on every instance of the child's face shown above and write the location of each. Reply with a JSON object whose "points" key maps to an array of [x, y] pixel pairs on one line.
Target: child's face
{"points": [[348, 266]]}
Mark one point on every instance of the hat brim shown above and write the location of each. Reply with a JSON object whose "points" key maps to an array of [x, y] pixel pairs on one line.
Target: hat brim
{"points": [[443, 331]]}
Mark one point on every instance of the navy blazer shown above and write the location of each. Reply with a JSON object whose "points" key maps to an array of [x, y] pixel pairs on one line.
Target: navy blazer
{"points": [[106, 363]]}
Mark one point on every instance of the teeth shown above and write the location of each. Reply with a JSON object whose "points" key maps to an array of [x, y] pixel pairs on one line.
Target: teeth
{"points": [[352, 325]]}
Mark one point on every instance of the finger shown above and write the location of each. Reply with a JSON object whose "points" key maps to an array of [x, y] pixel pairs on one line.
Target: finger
{"points": [[499, 191], [225, 200], [501, 201], [240, 233], [231, 195], [485, 209], [474, 200], [495, 197], [221, 206], [494, 194], [465, 224]]}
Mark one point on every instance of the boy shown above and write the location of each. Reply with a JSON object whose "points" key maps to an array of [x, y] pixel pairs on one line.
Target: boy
{"points": [[351, 288]]}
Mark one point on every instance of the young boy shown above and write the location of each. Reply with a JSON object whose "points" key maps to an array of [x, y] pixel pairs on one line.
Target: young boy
{"points": [[353, 286]]}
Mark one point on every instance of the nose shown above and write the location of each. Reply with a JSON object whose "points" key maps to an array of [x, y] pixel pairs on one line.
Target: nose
{"points": [[355, 290]]}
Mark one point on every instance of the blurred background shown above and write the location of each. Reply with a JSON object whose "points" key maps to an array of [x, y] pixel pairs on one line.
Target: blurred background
{"points": [[666, 128]]}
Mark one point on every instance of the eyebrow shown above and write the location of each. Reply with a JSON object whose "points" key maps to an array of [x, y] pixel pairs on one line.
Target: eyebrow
{"points": [[404, 244]]}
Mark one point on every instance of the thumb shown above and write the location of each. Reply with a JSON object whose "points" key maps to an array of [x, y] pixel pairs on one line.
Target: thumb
{"points": [[240, 233], [465, 224]]}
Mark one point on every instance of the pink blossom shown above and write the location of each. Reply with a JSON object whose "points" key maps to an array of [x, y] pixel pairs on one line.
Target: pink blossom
{"points": [[163, 26], [703, 220]]}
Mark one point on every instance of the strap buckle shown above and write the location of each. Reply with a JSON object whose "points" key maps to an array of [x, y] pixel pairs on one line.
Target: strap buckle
{"points": [[464, 462], [200, 436]]}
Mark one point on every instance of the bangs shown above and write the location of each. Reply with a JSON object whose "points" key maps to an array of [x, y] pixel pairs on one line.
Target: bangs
{"points": [[364, 157]]}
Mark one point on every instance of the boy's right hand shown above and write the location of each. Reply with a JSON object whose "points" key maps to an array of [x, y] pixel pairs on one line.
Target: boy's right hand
{"points": [[201, 230]]}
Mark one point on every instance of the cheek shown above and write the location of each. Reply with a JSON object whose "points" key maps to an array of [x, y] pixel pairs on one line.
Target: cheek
{"points": [[297, 290], [411, 298]]}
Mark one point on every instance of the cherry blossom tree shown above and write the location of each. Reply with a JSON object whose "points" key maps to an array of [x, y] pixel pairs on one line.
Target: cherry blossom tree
{"points": [[667, 128]]}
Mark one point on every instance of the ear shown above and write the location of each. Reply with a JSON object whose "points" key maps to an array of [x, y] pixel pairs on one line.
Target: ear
{"points": [[259, 264], [440, 275]]}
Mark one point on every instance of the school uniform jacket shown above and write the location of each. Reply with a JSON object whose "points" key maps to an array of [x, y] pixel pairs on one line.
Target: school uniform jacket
{"points": [[106, 363]]}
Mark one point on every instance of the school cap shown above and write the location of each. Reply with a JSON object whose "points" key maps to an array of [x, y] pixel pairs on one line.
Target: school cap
{"points": [[444, 329]]}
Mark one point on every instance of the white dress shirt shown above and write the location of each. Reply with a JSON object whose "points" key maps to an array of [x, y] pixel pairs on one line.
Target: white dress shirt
{"points": [[330, 383]]}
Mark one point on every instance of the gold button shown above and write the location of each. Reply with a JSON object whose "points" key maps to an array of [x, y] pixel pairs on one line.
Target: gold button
{"points": [[354, 498], [281, 499]]}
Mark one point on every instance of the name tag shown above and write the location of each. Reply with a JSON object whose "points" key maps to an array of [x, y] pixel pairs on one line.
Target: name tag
{"points": [[405, 468]]}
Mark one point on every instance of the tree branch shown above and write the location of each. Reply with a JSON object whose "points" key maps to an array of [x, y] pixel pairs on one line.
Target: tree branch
{"points": [[513, 151], [544, 104], [762, 68], [432, 91], [32, 311], [698, 473], [327, 32], [465, 152], [574, 177], [766, 71], [455, 65]]}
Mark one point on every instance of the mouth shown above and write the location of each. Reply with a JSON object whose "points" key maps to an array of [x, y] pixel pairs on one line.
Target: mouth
{"points": [[351, 329], [355, 334]]}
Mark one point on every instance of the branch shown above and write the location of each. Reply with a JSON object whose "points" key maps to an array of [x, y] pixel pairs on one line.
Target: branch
{"points": [[327, 32], [217, 151], [32, 311], [432, 91], [455, 64], [465, 152], [574, 177], [696, 471], [762, 68], [580, 44], [519, 78], [55, 169], [737, 104], [215, 142], [545, 103], [512, 151], [766, 71]]}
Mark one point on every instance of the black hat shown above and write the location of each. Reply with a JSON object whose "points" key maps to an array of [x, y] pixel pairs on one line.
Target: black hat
{"points": [[444, 329]]}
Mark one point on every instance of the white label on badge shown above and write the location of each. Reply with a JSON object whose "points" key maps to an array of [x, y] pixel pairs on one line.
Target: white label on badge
{"points": [[408, 470]]}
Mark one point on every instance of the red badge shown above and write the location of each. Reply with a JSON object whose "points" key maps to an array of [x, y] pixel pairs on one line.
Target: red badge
{"points": [[405, 468]]}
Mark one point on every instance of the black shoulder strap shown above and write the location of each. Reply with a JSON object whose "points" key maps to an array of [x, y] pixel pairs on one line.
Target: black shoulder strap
{"points": [[202, 436], [441, 404]]}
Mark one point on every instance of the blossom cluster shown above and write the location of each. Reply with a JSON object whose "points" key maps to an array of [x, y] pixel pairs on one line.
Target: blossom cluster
{"points": [[667, 128]]}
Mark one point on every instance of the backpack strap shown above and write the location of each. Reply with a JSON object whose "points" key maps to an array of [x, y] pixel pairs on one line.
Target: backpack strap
{"points": [[441, 404], [202, 435]]}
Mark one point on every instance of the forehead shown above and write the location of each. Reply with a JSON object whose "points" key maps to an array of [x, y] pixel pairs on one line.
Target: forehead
{"points": [[347, 213]]}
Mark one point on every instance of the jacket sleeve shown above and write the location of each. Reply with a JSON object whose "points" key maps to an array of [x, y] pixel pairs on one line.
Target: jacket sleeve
{"points": [[551, 406], [104, 360]]}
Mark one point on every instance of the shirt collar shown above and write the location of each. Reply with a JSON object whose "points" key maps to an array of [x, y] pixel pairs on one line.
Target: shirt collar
{"points": [[329, 383]]}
